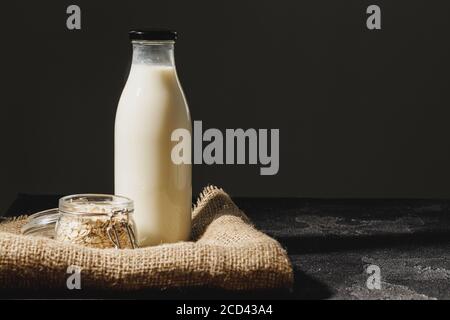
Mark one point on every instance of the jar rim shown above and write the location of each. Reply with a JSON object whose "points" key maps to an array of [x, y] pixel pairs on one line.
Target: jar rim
{"points": [[77, 204]]}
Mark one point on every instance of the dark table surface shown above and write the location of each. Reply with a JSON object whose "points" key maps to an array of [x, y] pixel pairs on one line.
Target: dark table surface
{"points": [[330, 243]]}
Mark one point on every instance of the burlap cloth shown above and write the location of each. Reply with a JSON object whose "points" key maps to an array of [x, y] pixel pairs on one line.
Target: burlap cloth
{"points": [[226, 252]]}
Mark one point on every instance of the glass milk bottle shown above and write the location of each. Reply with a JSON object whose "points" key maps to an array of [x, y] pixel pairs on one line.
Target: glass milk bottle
{"points": [[151, 107]]}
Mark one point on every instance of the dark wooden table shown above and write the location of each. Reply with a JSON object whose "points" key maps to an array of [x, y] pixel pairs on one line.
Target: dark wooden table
{"points": [[330, 243]]}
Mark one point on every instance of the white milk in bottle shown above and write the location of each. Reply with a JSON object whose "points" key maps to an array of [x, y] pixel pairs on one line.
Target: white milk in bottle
{"points": [[151, 107]]}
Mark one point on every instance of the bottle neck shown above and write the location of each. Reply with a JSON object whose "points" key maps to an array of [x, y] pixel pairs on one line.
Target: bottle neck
{"points": [[153, 53]]}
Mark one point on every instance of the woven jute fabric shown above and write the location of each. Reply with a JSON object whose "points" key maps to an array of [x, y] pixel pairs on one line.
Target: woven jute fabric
{"points": [[226, 252]]}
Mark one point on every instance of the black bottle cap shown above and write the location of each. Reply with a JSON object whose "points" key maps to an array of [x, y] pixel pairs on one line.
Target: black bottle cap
{"points": [[153, 34]]}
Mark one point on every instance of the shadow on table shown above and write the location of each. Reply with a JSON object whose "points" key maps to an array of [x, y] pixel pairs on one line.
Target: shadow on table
{"points": [[330, 243], [309, 290]]}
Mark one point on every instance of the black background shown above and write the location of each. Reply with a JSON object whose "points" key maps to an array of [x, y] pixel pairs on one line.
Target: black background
{"points": [[361, 113]]}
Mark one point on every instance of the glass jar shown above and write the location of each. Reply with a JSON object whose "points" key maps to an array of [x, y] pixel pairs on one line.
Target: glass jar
{"points": [[100, 221], [93, 220]]}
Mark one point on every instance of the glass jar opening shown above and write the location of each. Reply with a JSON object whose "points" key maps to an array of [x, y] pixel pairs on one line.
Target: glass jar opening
{"points": [[95, 204]]}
